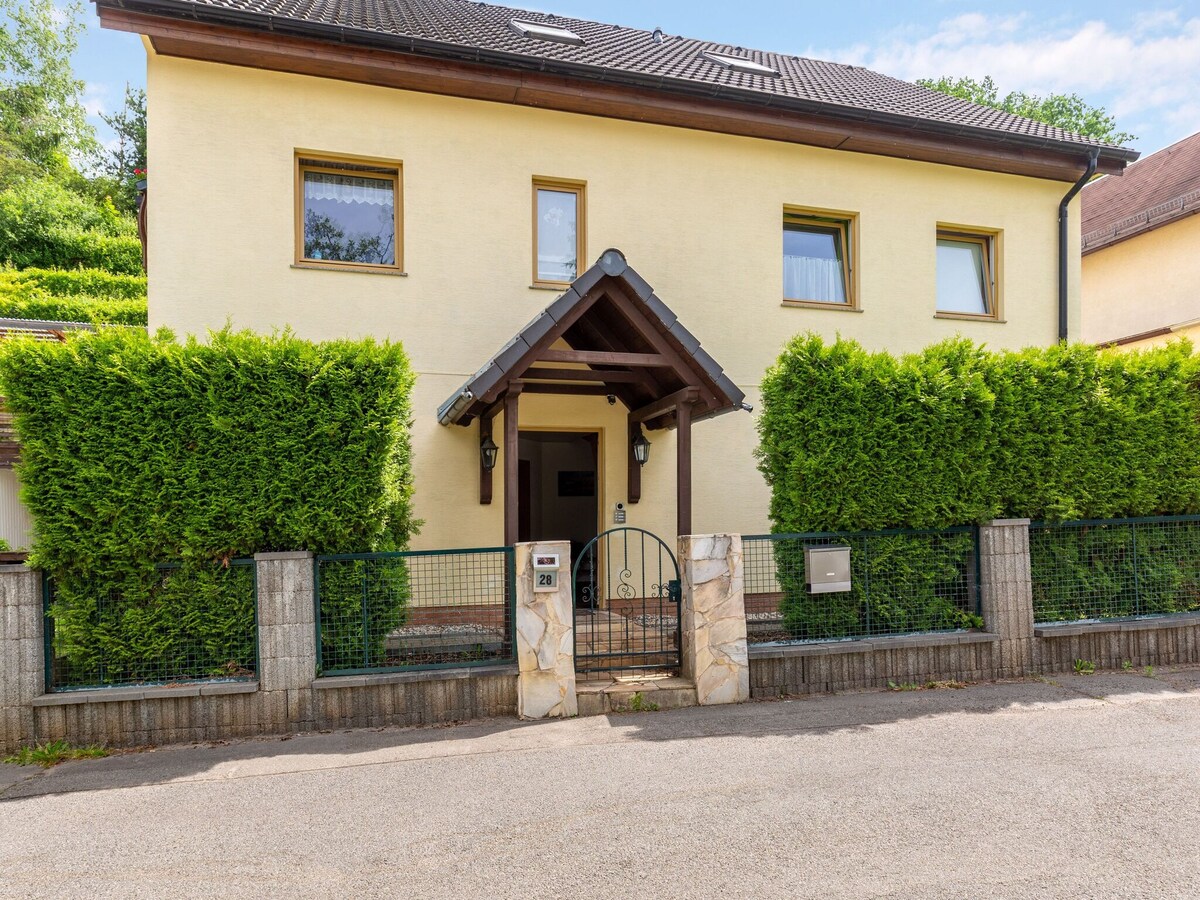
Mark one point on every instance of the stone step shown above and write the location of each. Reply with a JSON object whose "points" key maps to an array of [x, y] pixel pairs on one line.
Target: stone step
{"points": [[647, 693]]}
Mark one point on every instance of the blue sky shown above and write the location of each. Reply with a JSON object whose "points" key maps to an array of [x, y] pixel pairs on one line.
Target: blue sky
{"points": [[1139, 60]]}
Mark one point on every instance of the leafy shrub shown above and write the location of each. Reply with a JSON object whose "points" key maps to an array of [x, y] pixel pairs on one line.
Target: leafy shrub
{"points": [[191, 621], [1096, 571], [852, 440], [139, 449], [43, 224], [93, 283], [857, 441], [362, 602], [900, 584], [83, 295]]}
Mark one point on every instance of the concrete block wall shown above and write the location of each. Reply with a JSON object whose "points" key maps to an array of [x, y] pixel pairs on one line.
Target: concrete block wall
{"points": [[22, 669], [286, 697], [1009, 647]]}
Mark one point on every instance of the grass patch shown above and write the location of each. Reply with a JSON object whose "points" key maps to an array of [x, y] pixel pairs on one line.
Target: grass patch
{"points": [[52, 753]]}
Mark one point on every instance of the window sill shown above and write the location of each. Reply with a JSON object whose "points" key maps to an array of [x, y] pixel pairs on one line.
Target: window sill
{"points": [[361, 270], [550, 287], [969, 317], [818, 304]]}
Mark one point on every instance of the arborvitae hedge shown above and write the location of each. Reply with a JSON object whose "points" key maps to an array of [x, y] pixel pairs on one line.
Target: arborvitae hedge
{"points": [[139, 450], [852, 440], [857, 441], [73, 295]]}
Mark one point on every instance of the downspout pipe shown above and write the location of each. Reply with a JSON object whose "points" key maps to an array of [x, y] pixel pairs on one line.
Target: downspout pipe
{"points": [[1093, 158]]}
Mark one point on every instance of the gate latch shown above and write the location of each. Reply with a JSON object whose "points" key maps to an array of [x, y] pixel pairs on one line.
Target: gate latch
{"points": [[674, 590]]}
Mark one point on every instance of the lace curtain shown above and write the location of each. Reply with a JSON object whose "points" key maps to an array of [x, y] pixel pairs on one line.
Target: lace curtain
{"points": [[811, 278], [347, 189]]}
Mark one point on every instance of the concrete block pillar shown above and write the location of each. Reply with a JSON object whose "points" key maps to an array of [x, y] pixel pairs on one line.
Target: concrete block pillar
{"points": [[287, 635], [713, 611], [1007, 594], [545, 637], [22, 653]]}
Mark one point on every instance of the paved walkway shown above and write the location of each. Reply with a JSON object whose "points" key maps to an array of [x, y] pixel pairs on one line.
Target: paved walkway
{"points": [[1079, 787]]}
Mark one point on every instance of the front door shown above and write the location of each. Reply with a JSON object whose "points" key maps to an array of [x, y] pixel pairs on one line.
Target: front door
{"points": [[559, 490]]}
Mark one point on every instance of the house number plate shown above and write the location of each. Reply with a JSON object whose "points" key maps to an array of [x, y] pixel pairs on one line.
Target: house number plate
{"points": [[545, 572]]}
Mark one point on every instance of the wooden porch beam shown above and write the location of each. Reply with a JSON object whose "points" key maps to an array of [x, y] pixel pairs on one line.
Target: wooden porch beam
{"points": [[511, 453], [595, 390], [605, 358], [684, 397], [609, 376], [683, 471], [633, 490], [485, 475]]}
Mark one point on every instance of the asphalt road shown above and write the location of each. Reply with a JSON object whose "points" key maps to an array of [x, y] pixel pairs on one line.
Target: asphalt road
{"points": [[1080, 787]]}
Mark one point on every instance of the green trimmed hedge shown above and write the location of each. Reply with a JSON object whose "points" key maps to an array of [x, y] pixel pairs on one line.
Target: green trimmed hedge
{"points": [[138, 450], [858, 441], [852, 440], [79, 295], [75, 283]]}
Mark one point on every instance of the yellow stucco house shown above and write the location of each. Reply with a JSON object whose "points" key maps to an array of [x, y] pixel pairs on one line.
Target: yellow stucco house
{"points": [[1141, 269], [588, 237]]}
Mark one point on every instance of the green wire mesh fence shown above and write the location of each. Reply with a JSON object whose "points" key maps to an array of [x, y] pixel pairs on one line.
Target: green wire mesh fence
{"points": [[1114, 568], [902, 582], [186, 622], [419, 609]]}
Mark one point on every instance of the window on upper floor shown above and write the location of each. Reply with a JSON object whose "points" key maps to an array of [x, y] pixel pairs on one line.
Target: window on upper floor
{"points": [[348, 213], [966, 273], [559, 226], [817, 264]]}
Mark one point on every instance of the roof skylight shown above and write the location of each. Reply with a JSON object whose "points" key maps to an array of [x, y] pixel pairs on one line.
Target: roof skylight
{"points": [[738, 64], [543, 32]]}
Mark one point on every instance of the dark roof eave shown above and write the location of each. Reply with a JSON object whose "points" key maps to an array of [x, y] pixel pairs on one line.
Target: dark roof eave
{"points": [[446, 50]]}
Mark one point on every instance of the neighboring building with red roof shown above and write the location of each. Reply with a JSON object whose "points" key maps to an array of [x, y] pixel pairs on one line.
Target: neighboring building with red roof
{"points": [[1141, 250]]}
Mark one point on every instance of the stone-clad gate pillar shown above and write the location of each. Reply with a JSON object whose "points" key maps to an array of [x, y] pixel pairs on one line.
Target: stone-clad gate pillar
{"points": [[545, 637], [713, 618]]}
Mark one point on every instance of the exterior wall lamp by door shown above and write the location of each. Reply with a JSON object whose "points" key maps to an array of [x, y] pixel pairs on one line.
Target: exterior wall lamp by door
{"points": [[487, 453], [641, 449]]}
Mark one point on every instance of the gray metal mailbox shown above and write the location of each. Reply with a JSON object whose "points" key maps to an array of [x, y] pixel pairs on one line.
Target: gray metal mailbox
{"points": [[827, 568]]}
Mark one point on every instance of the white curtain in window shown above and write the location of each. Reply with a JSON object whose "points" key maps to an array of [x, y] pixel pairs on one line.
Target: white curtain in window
{"points": [[810, 278], [347, 189]]}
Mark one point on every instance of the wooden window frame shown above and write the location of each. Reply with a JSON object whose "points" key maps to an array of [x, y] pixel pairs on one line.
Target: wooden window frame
{"points": [[311, 161], [990, 242], [564, 186], [847, 224]]}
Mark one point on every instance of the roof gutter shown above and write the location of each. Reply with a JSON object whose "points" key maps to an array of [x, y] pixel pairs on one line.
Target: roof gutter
{"points": [[1093, 158], [187, 9]]}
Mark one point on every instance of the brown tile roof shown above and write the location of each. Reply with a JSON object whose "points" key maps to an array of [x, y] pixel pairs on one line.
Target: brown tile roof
{"points": [[483, 32], [1153, 191]]}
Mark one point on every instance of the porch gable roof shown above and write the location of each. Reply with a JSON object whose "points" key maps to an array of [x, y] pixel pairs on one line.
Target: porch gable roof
{"points": [[624, 342]]}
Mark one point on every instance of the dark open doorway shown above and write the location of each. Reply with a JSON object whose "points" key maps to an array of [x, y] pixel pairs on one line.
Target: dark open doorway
{"points": [[559, 490]]}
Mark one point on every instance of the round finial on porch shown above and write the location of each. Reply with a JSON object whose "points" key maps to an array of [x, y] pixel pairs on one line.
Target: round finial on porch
{"points": [[612, 262]]}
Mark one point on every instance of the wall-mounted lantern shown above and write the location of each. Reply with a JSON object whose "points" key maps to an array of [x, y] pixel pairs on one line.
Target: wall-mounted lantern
{"points": [[487, 453], [641, 449]]}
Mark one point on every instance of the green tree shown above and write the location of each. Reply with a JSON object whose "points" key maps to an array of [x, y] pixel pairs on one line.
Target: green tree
{"points": [[125, 163], [43, 126], [1067, 111]]}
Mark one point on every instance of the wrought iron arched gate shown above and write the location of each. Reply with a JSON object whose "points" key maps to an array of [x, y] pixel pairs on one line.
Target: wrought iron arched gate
{"points": [[627, 593]]}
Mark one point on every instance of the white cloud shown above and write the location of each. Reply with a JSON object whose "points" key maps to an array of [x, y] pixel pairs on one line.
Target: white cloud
{"points": [[1145, 73], [95, 97]]}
